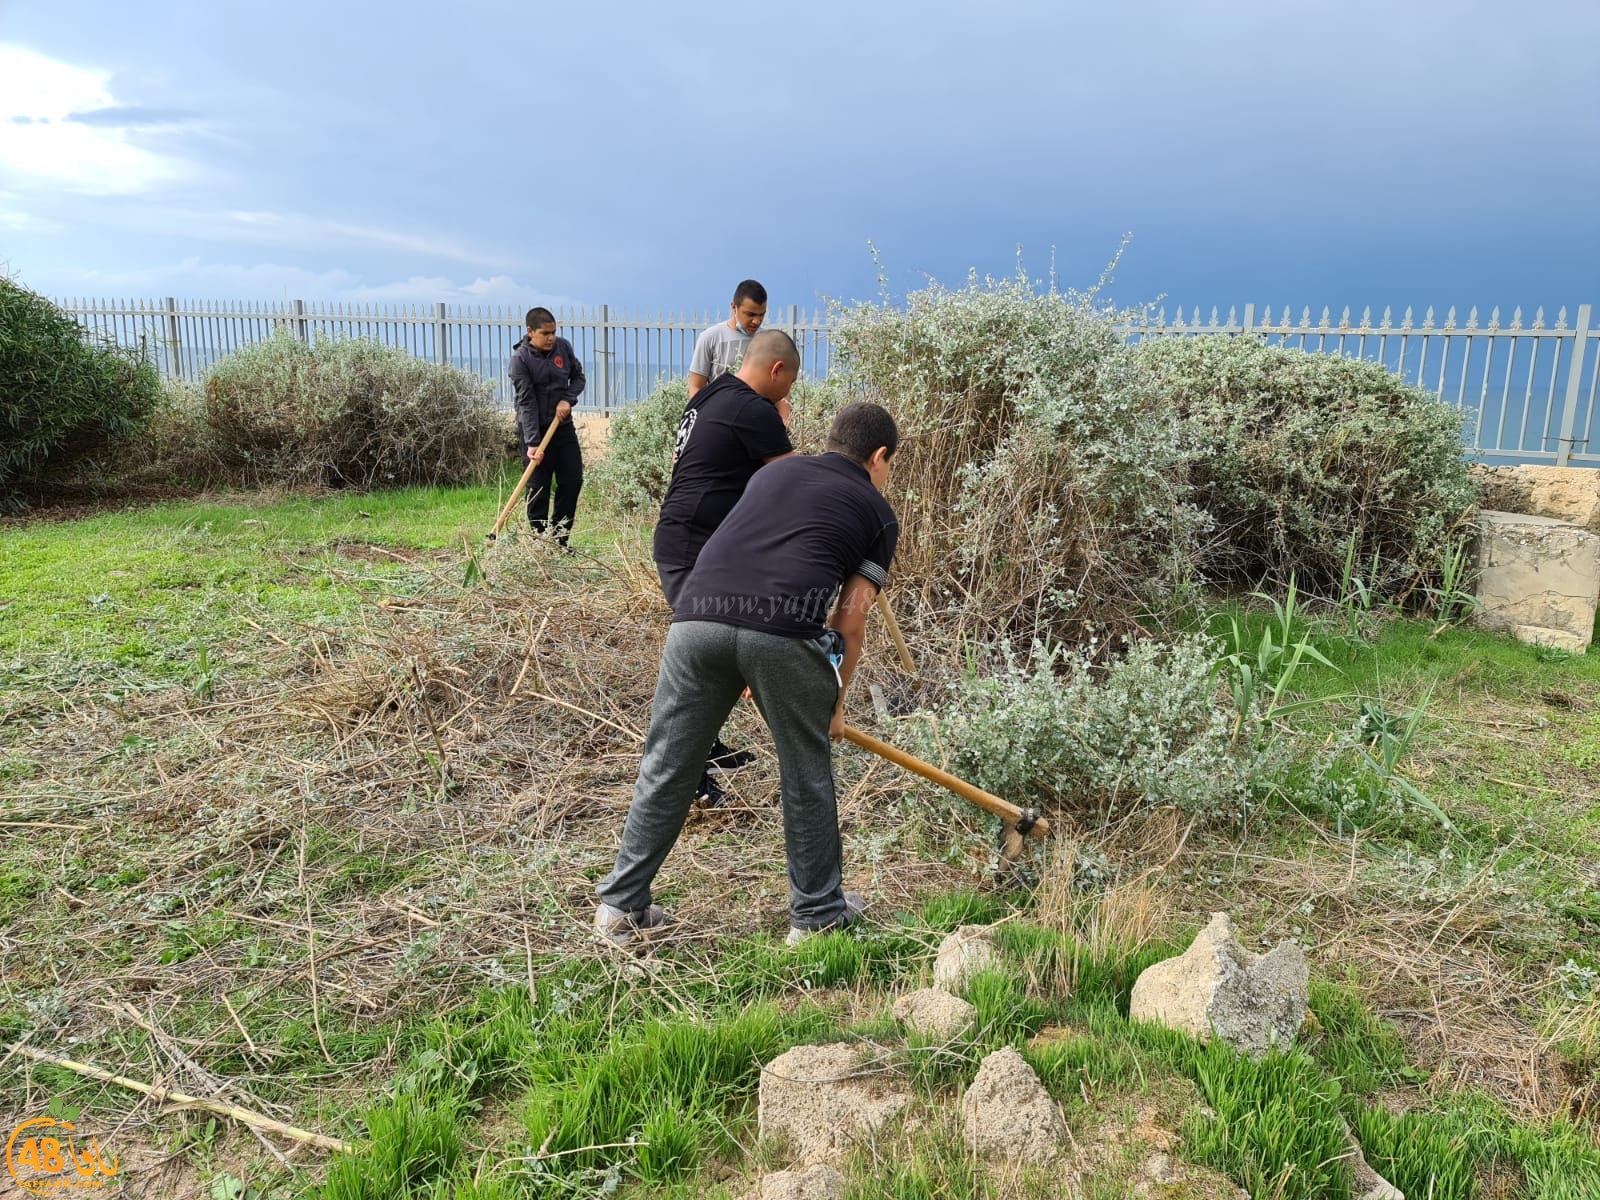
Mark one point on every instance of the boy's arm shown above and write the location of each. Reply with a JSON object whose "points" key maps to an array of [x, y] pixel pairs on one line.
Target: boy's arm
{"points": [[527, 411], [850, 619], [700, 363]]}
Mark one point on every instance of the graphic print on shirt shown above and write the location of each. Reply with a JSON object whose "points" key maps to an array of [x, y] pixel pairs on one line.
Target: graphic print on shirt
{"points": [[685, 428]]}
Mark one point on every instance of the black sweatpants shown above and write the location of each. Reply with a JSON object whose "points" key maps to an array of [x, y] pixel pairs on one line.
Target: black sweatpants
{"points": [[561, 471]]}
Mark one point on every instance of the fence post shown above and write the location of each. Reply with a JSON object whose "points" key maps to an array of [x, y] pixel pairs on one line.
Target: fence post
{"points": [[441, 336], [1249, 318], [174, 346], [604, 355], [1580, 343], [302, 327]]}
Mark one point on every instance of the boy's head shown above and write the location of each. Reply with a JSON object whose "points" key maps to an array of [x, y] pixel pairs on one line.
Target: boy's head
{"points": [[865, 434], [771, 364], [749, 305], [541, 328]]}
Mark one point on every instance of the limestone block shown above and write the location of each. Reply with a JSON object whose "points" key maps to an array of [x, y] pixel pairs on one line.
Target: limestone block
{"points": [[1538, 579], [1570, 494], [1252, 1002], [822, 1098], [1007, 1113], [935, 1013], [963, 954]]}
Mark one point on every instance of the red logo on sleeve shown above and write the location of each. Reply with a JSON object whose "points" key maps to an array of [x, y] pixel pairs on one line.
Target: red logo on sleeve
{"points": [[557, 361]]}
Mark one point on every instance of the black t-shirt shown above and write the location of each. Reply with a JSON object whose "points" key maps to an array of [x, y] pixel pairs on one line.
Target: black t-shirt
{"points": [[726, 433], [803, 527]]}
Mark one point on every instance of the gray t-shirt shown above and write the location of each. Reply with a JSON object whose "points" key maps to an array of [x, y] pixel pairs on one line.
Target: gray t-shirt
{"points": [[718, 351]]}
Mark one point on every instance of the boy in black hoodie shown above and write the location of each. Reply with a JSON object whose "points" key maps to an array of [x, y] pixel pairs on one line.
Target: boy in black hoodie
{"points": [[549, 379]]}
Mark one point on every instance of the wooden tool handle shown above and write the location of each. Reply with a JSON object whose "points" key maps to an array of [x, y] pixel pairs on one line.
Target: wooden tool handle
{"points": [[1003, 809], [894, 632], [527, 474]]}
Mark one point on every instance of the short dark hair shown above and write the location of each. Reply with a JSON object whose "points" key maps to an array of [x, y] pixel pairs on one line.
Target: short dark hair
{"points": [[538, 318], [749, 289], [859, 430], [773, 345]]}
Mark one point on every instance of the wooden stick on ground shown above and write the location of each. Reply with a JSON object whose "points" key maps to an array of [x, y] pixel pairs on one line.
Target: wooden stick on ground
{"points": [[165, 1096]]}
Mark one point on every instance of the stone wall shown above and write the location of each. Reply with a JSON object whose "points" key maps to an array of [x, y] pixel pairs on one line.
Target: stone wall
{"points": [[1570, 494]]}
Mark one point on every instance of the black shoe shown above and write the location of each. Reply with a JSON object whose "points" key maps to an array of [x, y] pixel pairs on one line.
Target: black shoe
{"points": [[724, 758], [709, 795]]}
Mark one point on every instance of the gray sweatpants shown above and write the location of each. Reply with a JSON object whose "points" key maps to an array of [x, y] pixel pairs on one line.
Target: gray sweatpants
{"points": [[703, 669]]}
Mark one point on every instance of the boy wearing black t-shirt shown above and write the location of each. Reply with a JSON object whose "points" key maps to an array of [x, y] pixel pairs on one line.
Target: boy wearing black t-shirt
{"points": [[751, 614], [730, 429]]}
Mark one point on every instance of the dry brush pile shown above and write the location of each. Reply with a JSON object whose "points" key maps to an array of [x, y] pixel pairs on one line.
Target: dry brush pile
{"points": [[385, 816]]}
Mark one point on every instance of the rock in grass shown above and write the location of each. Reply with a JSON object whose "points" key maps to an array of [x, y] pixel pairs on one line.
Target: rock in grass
{"points": [[935, 1013], [1007, 1114], [1252, 1002], [967, 951], [1366, 1183], [822, 1098], [819, 1182]]}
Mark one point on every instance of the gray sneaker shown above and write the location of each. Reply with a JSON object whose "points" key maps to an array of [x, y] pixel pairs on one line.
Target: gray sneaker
{"points": [[620, 926], [855, 904]]}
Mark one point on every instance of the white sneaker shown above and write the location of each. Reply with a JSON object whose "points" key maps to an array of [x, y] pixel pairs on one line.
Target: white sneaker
{"points": [[620, 926], [855, 904]]}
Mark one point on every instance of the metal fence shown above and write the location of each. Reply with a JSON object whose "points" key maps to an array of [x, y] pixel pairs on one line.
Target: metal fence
{"points": [[625, 353], [1529, 387]]}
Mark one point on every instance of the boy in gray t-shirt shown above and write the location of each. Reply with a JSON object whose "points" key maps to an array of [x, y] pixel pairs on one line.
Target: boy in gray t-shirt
{"points": [[719, 349]]}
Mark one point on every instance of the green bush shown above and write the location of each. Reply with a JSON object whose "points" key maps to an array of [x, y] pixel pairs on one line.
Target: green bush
{"points": [[1040, 483], [61, 398], [1293, 453], [348, 413], [633, 474], [1153, 729]]}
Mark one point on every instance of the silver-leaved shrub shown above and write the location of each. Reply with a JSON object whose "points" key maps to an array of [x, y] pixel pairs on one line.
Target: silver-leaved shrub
{"points": [[1151, 727], [348, 413], [1294, 454], [1040, 483]]}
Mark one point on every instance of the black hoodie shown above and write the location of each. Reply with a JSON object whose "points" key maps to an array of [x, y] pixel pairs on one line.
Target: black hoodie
{"points": [[542, 381]]}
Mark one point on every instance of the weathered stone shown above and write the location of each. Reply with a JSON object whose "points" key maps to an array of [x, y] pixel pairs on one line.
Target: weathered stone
{"points": [[1006, 1113], [935, 1013], [1365, 1183], [822, 1098], [819, 1182], [1539, 579], [1570, 494], [963, 954], [1252, 1002]]}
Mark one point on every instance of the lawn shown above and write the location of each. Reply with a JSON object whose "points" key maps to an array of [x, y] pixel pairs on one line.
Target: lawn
{"points": [[304, 798]]}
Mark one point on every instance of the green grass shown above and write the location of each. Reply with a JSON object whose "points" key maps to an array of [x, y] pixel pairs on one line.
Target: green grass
{"points": [[638, 1080], [183, 591]]}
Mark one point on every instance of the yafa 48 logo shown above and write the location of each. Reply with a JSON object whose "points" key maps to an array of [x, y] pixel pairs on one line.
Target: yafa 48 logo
{"points": [[45, 1155]]}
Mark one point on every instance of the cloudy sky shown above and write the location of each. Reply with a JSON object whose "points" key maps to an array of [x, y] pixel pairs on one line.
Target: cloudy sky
{"points": [[651, 153]]}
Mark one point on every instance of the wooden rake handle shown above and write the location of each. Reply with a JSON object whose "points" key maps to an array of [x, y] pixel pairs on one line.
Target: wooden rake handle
{"points": [[527, 474], [1037, 826], [894, 632]]}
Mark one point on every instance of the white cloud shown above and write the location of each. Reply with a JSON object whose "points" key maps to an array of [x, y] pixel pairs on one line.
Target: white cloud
{"points": [[40, 145], [193, 279], [300, 229]]}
